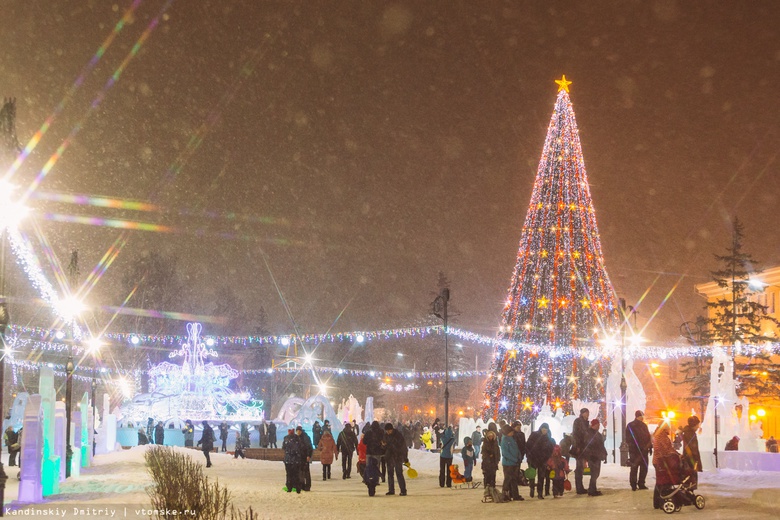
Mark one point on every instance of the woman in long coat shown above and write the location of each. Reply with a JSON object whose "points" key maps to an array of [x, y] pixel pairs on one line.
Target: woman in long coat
{"points": [[327, 447]]}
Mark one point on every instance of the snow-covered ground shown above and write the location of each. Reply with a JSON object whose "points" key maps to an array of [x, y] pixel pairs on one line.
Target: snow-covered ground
{"points": [[117, 483]]}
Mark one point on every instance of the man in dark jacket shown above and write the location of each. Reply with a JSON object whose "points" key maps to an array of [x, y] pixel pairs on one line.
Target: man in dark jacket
{"points": [[540, 447], [640, 443], [12, 441], [189, 433], [316, 432], [272, 435], [476, 440], [579, 437], [445, 457], [396, 454], [519, 436], [309, 449], [347, 444], [691, 456], [159, 433], [223, 435], [206, 442], [294, 453], [565, 445], [594, 452]]}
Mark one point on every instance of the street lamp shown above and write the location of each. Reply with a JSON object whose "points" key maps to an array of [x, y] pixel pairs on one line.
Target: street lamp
{"points": [[72, 307], [11, 213], [440, 310]]}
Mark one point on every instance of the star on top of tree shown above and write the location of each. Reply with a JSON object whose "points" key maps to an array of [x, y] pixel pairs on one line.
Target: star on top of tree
{"points": [[563, 83]]}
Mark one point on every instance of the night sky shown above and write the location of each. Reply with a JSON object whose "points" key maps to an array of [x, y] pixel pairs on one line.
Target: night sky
{"points": [[363, 147]]}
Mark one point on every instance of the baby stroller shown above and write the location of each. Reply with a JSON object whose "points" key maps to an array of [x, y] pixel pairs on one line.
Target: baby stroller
{"points": [[675, 486]]}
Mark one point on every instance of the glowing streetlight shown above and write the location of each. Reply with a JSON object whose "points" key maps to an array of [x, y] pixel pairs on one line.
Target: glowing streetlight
{"points": [[11, 212], [761, 412]]}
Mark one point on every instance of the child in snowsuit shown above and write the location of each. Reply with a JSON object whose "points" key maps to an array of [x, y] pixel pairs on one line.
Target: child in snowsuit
{"points": [[361, 449], [239, 451], [469, 458], [558, 468]]}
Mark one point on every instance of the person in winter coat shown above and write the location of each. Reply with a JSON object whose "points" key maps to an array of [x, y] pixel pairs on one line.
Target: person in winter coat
{"points": [[223, 435], [476, 440], [469, 458], [316, 432], [206, 442], [305, 469], [294, 455], [362, 452], [189, 434], [579, 437], [396, 454], [771, 444], [327, 447], [142, 439], [733, 444], [346, 444], [594, 452], [150, 429], [239, 449], [565, 445], [539, 449], [491, 458], [445, 457], [519, 436], [13, 443], [666, 461], [373, 437], [559, 467], [272, 435], [691, 457], [510, 461], [159, 433], [640, 444]]}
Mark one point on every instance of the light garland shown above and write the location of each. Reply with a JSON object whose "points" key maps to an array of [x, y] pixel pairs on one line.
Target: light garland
{"points": [[26, 258]]}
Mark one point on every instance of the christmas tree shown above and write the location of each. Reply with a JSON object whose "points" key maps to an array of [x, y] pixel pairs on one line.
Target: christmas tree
{"points": [[737, 321], [561, 306]]}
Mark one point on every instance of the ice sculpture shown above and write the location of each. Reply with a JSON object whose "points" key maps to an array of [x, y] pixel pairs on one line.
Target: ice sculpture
{"points": [[369, 409], [317, 408], [59, 436], [30, 488], [350, 410], [50, 475], [289, 409], [106, 437], [636, 399], [84, 430], [75, 436], [195, 389]]}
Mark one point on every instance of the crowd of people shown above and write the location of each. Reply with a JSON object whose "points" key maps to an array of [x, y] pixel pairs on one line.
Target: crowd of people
{"points": [[382, 452]]}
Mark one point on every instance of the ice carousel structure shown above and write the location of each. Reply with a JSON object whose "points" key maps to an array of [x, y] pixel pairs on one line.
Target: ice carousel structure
{"points": [[194, 390]]}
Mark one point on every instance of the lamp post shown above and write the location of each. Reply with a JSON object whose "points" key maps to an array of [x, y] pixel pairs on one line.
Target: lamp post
{"points": [[73, 272], [5, 319], [94, 413], [11, 213], [623, 386], [440, 310]]}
